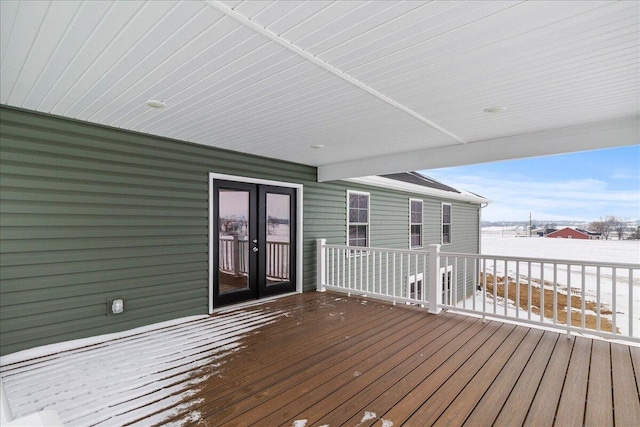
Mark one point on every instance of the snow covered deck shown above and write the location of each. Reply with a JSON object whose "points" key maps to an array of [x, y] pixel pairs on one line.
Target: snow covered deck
{"points": [[325, 359]]}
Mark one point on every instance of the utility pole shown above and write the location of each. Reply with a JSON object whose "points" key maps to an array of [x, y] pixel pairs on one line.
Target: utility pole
{"points": [[529, 224]]}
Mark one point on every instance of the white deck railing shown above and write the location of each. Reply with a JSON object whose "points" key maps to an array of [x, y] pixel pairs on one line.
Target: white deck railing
{"points": [[605, 297], [390, 274]]}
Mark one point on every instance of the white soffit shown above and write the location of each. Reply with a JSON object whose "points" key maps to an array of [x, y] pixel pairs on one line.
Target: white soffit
{"points": [[396, 83]]}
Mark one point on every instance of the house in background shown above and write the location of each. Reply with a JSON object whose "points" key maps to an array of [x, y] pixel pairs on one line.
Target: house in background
{"points": [[573, 233]]}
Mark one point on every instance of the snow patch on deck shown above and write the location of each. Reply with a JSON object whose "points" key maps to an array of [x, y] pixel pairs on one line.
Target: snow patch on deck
{"points": [[148, 374]]}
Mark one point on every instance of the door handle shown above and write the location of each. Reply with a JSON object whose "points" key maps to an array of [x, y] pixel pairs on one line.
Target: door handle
{"points": [[254, 249]]}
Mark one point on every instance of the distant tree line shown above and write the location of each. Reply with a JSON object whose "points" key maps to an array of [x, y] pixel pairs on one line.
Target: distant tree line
{"points": [[611, 225]]}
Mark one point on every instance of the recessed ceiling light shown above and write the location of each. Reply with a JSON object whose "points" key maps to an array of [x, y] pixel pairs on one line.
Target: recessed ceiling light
{"points": [[317, 146], [497, 109], [156, 104]]}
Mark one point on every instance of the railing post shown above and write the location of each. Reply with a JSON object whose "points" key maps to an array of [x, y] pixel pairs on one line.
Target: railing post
{"points": [[322, 263], [435, 279]]}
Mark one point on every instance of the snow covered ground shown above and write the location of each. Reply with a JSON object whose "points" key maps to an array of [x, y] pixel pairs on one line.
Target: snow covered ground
{"points": [[514, 243], [504, 241]]}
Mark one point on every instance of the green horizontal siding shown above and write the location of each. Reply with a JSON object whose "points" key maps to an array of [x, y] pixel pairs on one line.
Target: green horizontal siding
{"points": [[89, 213]]}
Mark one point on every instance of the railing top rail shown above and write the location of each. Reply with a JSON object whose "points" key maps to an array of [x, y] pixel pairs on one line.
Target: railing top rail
{"points": [[491, 257], [542, 260], [374, 248]]}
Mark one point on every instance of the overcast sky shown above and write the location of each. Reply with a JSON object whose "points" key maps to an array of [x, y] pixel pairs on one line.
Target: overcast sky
{"points": [[578, 186]]}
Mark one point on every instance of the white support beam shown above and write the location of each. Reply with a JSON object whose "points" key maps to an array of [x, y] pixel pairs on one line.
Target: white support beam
{"points": [[594, 136], [231, 13]]}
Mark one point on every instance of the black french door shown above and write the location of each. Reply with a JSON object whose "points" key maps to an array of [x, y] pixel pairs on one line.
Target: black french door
{"points": [[254, 226]]}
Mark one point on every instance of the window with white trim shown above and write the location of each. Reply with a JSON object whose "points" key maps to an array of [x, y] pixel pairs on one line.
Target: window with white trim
{"points": [[446, 223], [357, 218], [415, 223]]}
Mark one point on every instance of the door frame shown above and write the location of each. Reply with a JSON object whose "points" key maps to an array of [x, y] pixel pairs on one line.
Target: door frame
{"points": [[299, 226]]}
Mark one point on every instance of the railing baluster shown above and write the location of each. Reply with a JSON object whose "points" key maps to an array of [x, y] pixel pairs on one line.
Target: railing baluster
{"points": [[352, 255], [476, 281], [506, 287], [393, 281], [454, 284], [401, 272], [366, 274], [517, 289], [380, 273], [583, 292], [631, 302], [418, 283], [387, 270], [408, 284], [484, 288], [361, 270], [446, 298], [495, 285], [464, 284], [598, 304], [568, 300], [542, 292], [614, 297], [424, 277], [529, 290], [555, 293]]}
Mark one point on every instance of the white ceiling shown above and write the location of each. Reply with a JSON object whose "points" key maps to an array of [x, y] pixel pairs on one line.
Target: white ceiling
{"points": [[385, 86]]}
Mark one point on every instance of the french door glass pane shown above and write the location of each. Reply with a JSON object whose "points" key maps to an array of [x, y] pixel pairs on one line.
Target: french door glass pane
{"points": [[278, 238], [233, 223]]}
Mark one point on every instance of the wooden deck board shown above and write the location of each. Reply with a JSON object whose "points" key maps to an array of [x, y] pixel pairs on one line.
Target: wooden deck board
{"points": [[270, 372], [599, 412], [514, 410], [439, 387], [572, 402], [626, 410], [493, 398], [465, 344], [327, 359], [543, 409], [301, 331], [341, 384], [336, 411], [470, 373], [635, 358], [309, 384], [460, 406]]}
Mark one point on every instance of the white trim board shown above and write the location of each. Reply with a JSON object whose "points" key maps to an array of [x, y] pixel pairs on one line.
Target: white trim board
{"points": [[299, 224], [592, 136]]}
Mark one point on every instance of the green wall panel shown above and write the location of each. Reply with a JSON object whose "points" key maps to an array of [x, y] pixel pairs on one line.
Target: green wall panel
{"points": [[89, 213]]}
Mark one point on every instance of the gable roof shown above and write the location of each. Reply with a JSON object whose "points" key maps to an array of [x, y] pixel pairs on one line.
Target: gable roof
{"points": [[577, 231], [417, 183], [419, 179]]}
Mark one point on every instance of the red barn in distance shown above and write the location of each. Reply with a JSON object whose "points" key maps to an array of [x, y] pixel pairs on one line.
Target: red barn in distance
{"points": [[572, 233]]}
